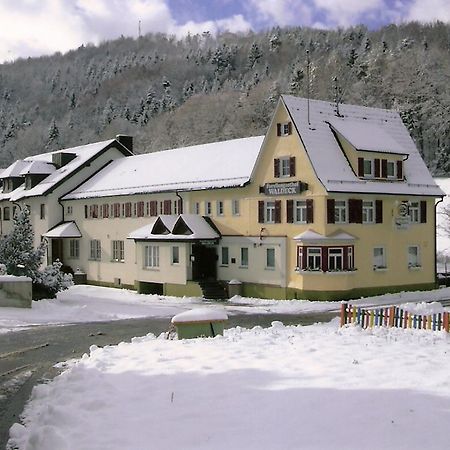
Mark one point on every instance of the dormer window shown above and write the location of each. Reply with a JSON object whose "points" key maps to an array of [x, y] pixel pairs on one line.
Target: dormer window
{"points": [[390, 169], [368, 168], [284, 167], [284, 129]]}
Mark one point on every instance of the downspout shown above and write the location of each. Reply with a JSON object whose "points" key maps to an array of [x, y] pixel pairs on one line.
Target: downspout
{"points": [[435, 240], [181, 200], [62, 206]]}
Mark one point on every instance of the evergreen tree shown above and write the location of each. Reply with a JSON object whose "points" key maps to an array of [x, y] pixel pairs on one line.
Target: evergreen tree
{"points": [[53, 134], [254, 55]]}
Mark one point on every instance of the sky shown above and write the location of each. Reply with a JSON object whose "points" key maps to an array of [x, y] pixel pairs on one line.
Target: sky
{"points": [[40, 27]]}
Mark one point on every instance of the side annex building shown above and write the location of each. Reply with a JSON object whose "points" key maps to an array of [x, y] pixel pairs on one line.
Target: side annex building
{"points": [[331, 203]]}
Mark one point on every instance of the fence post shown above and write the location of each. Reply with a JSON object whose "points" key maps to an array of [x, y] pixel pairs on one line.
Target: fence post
{"points": [[343, 313], [391, 316], [446, 322]]}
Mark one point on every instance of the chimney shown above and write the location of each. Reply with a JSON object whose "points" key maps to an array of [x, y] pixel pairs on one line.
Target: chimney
{"points": [[126, 141]]}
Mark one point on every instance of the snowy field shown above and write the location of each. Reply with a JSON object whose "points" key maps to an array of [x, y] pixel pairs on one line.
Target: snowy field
{"points": [[312, 387]]}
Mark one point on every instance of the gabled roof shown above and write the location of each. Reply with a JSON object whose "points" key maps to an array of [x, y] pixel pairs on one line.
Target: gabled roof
{"points": [[64, 230], [185, 227], [328, 160], [37, 163], [208, 166]]}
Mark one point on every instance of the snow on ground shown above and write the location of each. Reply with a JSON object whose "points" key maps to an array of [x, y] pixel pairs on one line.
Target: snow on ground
{"points": [[284, 387], [93, 304]]}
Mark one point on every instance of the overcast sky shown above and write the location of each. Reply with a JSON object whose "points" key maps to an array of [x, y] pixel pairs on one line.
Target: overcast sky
{"points": [[37, 27]]}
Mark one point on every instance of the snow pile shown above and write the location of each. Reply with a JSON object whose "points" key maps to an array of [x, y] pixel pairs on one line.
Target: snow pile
{"points": [[315, 387]]}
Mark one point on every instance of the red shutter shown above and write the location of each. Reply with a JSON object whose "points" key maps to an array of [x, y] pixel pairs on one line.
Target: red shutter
{"points": [[330, 210], [345, 256], [180, 206], [423, 212], [85, 211], [377, 168], [261, 211], [325, 259], [354, 210], [360, 167], [400, 170], [128, 209], [292, 166], [277, 211], [154, 208], [167, 207], [384, 168], [305, 258], [289, 127], [276, 168], [379, 211], [278, 129], [309, 211], [140, 209], [290, 211]]}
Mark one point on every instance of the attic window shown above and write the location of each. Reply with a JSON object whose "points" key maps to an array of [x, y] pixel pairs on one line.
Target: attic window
{"points": [[284, 129]]}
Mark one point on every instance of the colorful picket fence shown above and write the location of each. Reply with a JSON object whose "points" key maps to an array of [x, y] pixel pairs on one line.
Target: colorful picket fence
{"points": [[393, 316]]}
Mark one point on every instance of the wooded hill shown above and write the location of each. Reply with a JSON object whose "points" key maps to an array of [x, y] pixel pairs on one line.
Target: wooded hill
{"points": [[169, 93]]}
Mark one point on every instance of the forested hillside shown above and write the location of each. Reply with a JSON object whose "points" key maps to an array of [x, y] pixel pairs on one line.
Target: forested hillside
{"points": [[168, 93]]}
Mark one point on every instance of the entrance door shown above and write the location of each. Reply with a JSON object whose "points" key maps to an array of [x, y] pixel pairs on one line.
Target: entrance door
{"points": [[204, 264], [57, 250]]}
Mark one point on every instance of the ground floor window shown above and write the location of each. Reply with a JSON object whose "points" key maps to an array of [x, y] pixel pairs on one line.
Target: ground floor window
{"points": [[325, 258], [95, 250], [336, 258], [151, 256], [118, 251], [244, 257], [270, 258], [175, 255], [379, 258], [224, 259], [413, 256], [314, 258], [74, 249]]}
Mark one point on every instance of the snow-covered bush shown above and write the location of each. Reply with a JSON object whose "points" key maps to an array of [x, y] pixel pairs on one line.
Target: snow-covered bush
{"points": [[3, 269], [50, 281]]}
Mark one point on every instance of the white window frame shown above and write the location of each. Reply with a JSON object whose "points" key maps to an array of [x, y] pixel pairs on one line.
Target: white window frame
{"points": [[379, 260], [224, 256], [394, 169], [284, 129], [95, 253], [269, 211], [118, 250], [314, 258], [151, 257], [335, 258], [285, 167], [270, 258], [368, 173], [74, 249], [197, 208], [414, 212], [340, 211], [42, 211], [219, 207], [368, 211], [208, 208], [175, 255], [414, 259], [235, 207], [350, 260], [300, 211], [244, 257]]}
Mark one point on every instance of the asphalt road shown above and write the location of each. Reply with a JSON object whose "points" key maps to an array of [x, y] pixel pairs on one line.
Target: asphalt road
{"points": [[28, 357]]}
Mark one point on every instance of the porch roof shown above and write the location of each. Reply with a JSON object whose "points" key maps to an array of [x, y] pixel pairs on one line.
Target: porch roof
{"points": [[311, 236], [64, 230]]}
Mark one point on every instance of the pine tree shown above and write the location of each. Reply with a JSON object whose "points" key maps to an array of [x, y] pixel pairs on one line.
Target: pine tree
{"points": [[53, 134], [17, 251], [254, 55]]}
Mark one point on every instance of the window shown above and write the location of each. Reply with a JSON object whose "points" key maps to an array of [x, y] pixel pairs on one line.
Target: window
{"points": [[118, 251], [69, 210], [335, 258], [6, 213], [340, 211], [285, 167], [175, 255], [379, 258], [196, 208], [224, 260], [390, 172], [235, 207], [269, 213], [284, 129], [151, 256], [314, 258], [95, 250], [300, 211], [414, 212], [74, 249], [413, 256], [219, 207], [270, 258], [42, 211], [368, 212], [368, 168], [207, 208], [244, 257]]}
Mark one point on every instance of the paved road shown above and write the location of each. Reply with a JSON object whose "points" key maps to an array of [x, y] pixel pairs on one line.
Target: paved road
{"points": [[27, 357]]}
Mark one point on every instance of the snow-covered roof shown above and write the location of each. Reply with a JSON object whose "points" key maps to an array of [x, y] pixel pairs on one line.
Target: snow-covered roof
{"points": [[83, 154], [330, 163], [313, 236], [64, 230], [38, 168], [207, 166], [185, 227]]}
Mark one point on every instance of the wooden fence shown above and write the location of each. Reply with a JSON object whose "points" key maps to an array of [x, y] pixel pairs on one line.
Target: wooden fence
{"points": [[393, 316]]}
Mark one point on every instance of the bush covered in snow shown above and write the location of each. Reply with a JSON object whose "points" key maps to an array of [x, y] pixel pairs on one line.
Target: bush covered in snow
{"points": [[18, 257]]}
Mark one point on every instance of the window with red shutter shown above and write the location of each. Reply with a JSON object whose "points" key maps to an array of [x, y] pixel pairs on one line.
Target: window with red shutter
{"points": [[290, 211]]}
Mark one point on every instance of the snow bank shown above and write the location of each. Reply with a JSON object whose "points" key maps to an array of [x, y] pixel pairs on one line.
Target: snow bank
{"points": [[315, 387], [200, 315]]}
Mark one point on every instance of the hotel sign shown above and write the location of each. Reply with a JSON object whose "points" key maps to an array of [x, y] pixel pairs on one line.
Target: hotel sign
{"points": [[289, 188]]}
